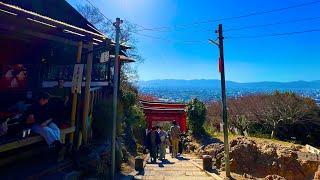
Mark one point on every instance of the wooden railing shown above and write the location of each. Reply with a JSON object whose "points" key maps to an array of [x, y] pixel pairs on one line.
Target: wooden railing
{"points": [[97, 95]]}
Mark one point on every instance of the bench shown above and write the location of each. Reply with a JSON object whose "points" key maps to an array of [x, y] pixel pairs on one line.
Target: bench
{"points": [[34, 139]]}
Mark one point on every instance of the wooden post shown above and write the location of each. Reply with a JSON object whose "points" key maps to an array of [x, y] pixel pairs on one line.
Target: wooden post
{"points": [[87, 95], [138, 164], [92, 98], [207, 162], [98, 95], [95, 99], [75, 96]]}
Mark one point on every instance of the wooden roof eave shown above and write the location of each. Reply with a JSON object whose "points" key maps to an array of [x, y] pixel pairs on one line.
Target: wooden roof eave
{"points": [[19, 12], [160, 102], [162, 109], [32, 31]]}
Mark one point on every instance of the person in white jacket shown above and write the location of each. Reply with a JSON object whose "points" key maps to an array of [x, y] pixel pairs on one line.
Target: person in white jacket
{"points": [[162, 146]]}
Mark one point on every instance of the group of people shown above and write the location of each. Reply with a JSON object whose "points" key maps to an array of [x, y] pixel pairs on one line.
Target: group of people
{"points": [[157, 140]]}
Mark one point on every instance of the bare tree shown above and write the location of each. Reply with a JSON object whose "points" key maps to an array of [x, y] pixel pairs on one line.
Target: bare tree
{"points": [[272, 111], [129, 71], [281, 109], [214, 114], [239, 114]]}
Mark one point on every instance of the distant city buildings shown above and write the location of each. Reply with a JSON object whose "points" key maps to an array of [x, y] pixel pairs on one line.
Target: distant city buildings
{"points": [[178, 94]]}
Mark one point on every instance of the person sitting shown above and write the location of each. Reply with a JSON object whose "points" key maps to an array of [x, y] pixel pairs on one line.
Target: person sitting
{"points": [[60, 92], [41, 119], [60, 98]]}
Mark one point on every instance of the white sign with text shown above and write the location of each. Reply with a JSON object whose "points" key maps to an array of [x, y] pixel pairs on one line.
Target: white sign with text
{"points": [[77, 78], [104, 57]]}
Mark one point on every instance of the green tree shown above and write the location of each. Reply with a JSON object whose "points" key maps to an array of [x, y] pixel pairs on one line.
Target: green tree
{"points": [[196, 116]]}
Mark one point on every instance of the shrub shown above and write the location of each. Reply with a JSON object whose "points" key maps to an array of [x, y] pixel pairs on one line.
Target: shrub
{"points": [[196, 116]]}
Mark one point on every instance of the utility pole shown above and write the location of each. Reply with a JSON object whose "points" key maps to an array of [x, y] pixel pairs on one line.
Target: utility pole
{"points": [[224, 103], [224, 98], [115, 96]]}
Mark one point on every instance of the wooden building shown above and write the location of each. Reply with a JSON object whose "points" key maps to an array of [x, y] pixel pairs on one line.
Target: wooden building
{"points": [[41, 41]]}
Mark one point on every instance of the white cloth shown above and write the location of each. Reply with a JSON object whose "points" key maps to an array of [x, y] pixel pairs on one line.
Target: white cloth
{"points": [[163, 137], [50, 132]]}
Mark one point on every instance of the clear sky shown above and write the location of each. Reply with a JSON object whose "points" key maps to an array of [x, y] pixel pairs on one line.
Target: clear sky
{"points": [[280, 58]]}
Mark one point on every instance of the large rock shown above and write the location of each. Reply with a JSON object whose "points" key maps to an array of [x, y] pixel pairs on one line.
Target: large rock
{"points": [[317, 174], [243, 156], [261, 159], [89, 160], [95, 160], [192, 147], [274, 177]]}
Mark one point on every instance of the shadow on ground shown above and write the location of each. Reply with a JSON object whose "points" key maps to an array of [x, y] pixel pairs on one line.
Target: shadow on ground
{"points": [[182, 159], [205, 140]]}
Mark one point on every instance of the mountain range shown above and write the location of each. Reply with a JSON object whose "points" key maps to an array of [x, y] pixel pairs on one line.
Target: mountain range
{"points": [[213, 83]]}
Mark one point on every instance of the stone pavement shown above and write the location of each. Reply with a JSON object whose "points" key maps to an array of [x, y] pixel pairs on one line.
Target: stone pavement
{"points": [[173, 168]]}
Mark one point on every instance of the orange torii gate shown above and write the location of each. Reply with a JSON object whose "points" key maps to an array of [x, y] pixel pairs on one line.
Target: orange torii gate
{"points": [[165, 111]]}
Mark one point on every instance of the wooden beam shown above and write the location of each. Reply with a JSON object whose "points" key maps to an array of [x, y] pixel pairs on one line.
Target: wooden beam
{"points": [[21, 13], [20, 143], [41, 35], [30, 140], [76, 97], [87, 95]]}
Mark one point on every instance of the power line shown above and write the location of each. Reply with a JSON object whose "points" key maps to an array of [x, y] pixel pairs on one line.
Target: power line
{"points": [[270, 35], [169, 40], [232, 18], [100, 12], [249, 27], [172, 40], [270, 24]]}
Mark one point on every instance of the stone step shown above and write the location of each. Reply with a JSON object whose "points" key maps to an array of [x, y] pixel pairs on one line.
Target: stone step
{"points": [[173, 169], [177, 178]]}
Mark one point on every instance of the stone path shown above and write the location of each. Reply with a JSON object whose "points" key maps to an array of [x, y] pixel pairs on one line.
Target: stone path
{"points": [[173, 168]]}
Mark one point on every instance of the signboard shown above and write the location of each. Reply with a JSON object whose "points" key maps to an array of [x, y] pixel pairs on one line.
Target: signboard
{"points": [[77, 78], [308, 156], [105, 56], [312, 149], [13, 77]]}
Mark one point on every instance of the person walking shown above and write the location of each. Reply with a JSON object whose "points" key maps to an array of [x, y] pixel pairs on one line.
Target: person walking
{"points": [[152, 141], [162, 146], [175, 134]]}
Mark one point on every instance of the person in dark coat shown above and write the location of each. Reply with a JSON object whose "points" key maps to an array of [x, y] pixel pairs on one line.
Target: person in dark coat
{"points": [[152, 141]]}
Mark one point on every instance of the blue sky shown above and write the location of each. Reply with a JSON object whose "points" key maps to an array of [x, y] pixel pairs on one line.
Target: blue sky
{"points": [[280, 58]]}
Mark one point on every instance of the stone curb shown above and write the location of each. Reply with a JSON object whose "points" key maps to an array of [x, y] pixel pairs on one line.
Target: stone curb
{"points": [[134, 173], [215, 176]]}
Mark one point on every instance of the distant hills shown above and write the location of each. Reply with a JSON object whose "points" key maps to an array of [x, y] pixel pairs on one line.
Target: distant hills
{"points": [[213, 83]]}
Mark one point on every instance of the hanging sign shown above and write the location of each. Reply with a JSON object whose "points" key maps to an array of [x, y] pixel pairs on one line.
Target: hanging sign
{"points": [[105, 56], [77, 78]]}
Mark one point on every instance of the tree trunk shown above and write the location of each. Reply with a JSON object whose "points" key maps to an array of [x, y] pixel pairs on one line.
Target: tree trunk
{"points": [[241, 131], [272, 134]]}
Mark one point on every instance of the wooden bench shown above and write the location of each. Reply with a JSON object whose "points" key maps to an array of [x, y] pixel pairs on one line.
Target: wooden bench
{"points": [[34, 139]]}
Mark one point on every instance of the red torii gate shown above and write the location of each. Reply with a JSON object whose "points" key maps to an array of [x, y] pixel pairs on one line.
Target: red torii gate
{"points": [[164, 111]]}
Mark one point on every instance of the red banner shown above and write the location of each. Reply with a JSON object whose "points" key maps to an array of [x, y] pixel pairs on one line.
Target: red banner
{"points": [[220, 64]]}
